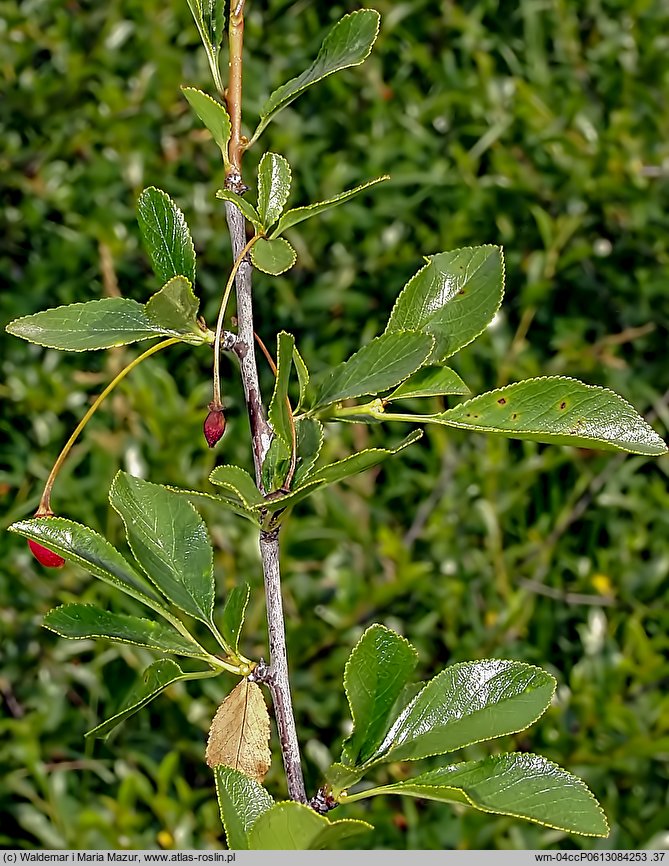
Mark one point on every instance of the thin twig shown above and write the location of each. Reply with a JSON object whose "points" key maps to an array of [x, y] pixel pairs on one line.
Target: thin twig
{"points": [[216, 403], [234, 91], [276, 674], [261, 432]]}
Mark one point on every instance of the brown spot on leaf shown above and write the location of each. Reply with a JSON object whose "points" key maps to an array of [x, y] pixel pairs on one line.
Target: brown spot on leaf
{"points": [[502, 401], [514, 416], [563, 405]]}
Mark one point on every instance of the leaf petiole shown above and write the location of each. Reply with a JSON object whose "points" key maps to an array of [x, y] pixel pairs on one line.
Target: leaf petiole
{"points": [[45, 502]]}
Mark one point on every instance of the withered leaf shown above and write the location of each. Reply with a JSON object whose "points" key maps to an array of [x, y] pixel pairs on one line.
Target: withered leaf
{"points": [[239, 733]]}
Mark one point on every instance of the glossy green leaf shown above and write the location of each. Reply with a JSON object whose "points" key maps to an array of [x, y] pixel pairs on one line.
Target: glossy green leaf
{"points": [[241, 801], [299, 214], [280, 415], [348, 43], [294, 827], [521, 785], [558, 410], [232, 618], [209, 19], [309, 435], [174, 309], [381, 364], [166, 236], [273, 187], [86, 620], [86, 327], [79, 544], [213, 114], [430, 382], [169, 540], [334, 472], [238, 480], [247, 209], [467, 703], [276, 465], [302, 376], [453, 297], [273, 257], [376, 672], [154, 680]]}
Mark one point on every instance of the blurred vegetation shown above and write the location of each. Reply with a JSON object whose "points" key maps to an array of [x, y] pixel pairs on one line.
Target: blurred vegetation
{"points": [[540, 124]]}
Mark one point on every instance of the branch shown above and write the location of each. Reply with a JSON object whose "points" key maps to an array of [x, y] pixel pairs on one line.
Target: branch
{"points": [[276, 674], [234, 92], [261, 432]]}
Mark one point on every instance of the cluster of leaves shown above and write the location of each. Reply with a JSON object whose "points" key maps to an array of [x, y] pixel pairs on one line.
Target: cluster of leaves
{"points": [[170, 543], [395, 720]]}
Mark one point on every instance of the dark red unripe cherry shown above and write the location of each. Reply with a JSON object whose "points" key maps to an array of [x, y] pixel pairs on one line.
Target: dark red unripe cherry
{"points": [[214, 426], [45, 557]]}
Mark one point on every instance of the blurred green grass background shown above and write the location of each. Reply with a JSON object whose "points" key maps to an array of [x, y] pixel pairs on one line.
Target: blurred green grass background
{"points": [[538, 124]]}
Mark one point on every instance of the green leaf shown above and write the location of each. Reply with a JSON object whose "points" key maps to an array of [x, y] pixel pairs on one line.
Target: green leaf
{"points": [[214, 116], [89, 326], [241, 801], [558, 410], [430, 382], [209, 19], [309, 435], [381, 364], [247, 209], [232, 618], [520, 785], [86, 620], [174, 310], [169, 540], [348, 43], [154, 680], [302, 376], [273, 257], [465, 704], [275, 465], [299, 214], [166, 236], [273, 187], [239, 481], [453, 297], [376, 672], [294, 827], [280, 415], [338, 471], [78, 543]]}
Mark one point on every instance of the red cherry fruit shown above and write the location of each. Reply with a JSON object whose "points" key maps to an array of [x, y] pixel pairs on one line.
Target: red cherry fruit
{"points": [[45, 557], [214, 425]]}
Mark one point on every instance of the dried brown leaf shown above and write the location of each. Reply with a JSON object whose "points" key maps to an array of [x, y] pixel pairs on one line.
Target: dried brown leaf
{"points": [[239, 733]]}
